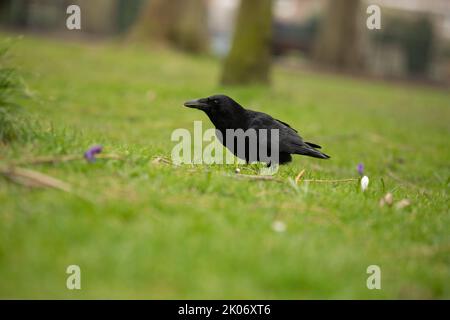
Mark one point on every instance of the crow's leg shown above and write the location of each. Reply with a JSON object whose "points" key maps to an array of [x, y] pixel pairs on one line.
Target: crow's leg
{"points": [[285, 157]]}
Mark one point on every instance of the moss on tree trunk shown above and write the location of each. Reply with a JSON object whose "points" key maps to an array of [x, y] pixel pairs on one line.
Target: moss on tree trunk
{"points": [[250, 56]]}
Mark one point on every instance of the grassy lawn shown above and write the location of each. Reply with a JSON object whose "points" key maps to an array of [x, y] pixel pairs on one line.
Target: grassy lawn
{"points": [[140, 229]]}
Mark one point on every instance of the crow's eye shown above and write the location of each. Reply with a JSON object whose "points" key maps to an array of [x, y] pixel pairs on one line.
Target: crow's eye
{"points": [[216, 101]]}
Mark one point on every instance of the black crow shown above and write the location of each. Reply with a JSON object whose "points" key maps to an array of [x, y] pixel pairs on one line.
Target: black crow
{"points": [[225, 113]]}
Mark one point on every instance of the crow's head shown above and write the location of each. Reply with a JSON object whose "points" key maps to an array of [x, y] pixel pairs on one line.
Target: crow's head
{"points": [[217, 105], [223, 111]]}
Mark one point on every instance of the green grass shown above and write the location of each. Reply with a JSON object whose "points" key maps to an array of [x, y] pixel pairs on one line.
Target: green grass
{"points": [[139, 229]]}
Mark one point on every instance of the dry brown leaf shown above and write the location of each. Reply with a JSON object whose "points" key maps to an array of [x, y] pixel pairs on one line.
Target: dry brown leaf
{"points": [[403, 204], [387, 199], [158, 160]]}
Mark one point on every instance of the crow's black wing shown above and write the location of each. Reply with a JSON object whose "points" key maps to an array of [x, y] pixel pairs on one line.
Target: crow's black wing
{"points": [[287, 125], [308, 143], [289, 140]]}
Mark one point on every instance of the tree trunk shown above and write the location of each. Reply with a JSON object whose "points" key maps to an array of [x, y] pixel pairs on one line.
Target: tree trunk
{"points": [[338, 42], [250, 56], [190, 30], [181, 23], [154, 22]]}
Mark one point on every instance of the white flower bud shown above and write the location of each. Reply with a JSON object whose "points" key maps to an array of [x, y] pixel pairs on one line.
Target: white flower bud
{"points": [[364, 183], [279, 226]]}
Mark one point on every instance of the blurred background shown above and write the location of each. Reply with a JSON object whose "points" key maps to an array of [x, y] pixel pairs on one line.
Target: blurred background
{"points": [[413, 42], [140, 227]]}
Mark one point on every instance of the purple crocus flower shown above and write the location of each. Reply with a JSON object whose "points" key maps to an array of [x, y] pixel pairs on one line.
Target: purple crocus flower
{"points": [[360, 168], [89, 155]]}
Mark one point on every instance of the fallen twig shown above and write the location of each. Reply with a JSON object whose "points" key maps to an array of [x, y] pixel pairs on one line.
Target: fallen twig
{"points": [[299, 176], [66, 158], [297, 179], [331, 181], [33, 179], [255, 177]]}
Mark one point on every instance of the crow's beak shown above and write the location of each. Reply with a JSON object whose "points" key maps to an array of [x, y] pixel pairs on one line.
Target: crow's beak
{"points": [[197, 104]]}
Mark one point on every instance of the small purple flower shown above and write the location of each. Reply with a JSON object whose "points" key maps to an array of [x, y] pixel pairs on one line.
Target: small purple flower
{"points": [[360, 168], [92, 151]]}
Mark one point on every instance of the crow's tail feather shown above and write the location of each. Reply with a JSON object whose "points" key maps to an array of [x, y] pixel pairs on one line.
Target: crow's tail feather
{"points": [[311, 152], [313, 145]]}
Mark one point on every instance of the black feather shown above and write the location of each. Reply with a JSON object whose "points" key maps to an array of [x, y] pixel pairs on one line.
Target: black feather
{"points": [[313, 145]]}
